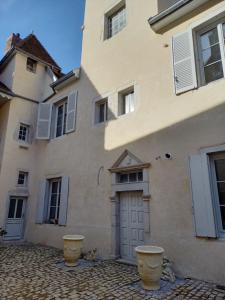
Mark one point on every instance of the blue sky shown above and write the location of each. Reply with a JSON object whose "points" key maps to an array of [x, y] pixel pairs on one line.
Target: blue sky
{"points": [[56, 23]]}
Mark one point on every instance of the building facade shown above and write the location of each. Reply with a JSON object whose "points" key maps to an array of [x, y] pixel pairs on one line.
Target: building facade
{"points": [[130, 148]]}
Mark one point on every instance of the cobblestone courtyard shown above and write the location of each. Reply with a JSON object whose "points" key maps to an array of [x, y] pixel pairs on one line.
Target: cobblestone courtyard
{"points": [[30, 272]]}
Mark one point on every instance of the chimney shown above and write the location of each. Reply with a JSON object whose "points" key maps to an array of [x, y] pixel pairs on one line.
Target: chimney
{"points": [[12, 40]]}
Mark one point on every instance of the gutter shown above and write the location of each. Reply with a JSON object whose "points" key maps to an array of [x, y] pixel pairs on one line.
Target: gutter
{"points": [[173, 13], [66, 79]]}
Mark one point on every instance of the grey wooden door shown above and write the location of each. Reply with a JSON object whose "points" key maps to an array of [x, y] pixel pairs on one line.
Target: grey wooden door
{"points": [[131, 224], [15, 221]]}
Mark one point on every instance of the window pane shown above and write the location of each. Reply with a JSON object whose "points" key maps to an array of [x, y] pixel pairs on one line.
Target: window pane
{"points": [[53, 200], [221, 192], [133, 177], [12, 208], [140, 176], [21, 178], [220, 169], [52, 212], [19, 208], [59, 121], [211, 55], [223, 216], [65, 117], [123, 178], [54, 186], [213, 72], [209, 38], [102, 112]]}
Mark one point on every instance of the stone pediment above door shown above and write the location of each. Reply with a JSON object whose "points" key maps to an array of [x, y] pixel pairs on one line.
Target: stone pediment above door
{"points": [[128, 161]]}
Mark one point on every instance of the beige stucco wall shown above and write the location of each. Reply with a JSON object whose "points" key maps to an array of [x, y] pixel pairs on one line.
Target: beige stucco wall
{"points": [[31, 85], [161, 123], [7, 74], [4, 112], [15, 157]]}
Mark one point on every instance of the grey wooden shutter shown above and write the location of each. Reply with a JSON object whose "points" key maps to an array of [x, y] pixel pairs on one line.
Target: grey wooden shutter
{"points": [[202, 197], [184, 62], [44, 121], [64, 200], [71, 112], [42, 204]]}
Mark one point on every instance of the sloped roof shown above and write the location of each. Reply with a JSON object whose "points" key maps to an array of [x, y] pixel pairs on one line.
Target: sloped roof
{"points": [[4, 88], [31, 45]]}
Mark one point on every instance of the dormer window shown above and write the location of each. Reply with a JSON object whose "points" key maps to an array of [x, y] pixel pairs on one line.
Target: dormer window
{"points": [[31, 65]]}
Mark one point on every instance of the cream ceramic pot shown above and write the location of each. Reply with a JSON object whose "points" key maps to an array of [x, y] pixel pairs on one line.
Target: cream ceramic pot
{"points": [[150, 260], [72, 249]]}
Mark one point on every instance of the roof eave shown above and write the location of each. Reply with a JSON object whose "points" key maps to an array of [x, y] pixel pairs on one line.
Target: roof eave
{"points": [[66, 79], [13, 51], [173, 13]]}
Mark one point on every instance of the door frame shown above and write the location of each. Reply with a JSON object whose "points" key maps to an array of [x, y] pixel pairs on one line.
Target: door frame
{"points": [[119, 217], [23, 196], [128, 162]]}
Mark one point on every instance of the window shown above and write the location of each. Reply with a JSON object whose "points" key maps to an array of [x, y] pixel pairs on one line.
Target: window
{"points": [[207, 171], [198, 56], [23, 133], [101, 111], [218, 170], [31, 65], [211, 52], [22, 178], [126, 102], [61, 119], [58, 118], [130, 177], [54, 200], [116, 21]]}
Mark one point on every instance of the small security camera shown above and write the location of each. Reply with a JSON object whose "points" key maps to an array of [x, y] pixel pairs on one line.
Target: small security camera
{"points": [[168, 156]]}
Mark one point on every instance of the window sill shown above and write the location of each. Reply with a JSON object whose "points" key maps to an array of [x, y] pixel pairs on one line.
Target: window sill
{"points": [[125, 115], [24, 145], [102, 124]]}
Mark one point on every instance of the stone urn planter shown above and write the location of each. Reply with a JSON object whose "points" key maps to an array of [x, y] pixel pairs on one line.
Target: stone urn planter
{"points": [[72, 249], [150, 260]]}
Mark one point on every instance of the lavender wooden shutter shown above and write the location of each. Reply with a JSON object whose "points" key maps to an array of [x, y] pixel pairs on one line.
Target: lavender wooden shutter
{"points": [[44, 121], [184, 62], [202, 197]]}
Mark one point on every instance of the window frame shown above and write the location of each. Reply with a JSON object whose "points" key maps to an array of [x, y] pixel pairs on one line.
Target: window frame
{"points": [[27, 127], [32, 69], [215, 194], [58, 104], [97, 111], [25, 184], [204, 28], [113, 12], [57, 206], [128, 173], [122, 101]]}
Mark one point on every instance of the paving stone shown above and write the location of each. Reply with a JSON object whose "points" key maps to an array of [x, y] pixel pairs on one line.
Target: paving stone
{"points": [[34, 272]]}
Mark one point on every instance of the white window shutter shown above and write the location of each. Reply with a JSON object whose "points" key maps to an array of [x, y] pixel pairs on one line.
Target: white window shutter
{"points": [[44, 121], [42, 204], [71, 111], [185, 78], [202, 198], [64, 200]]}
